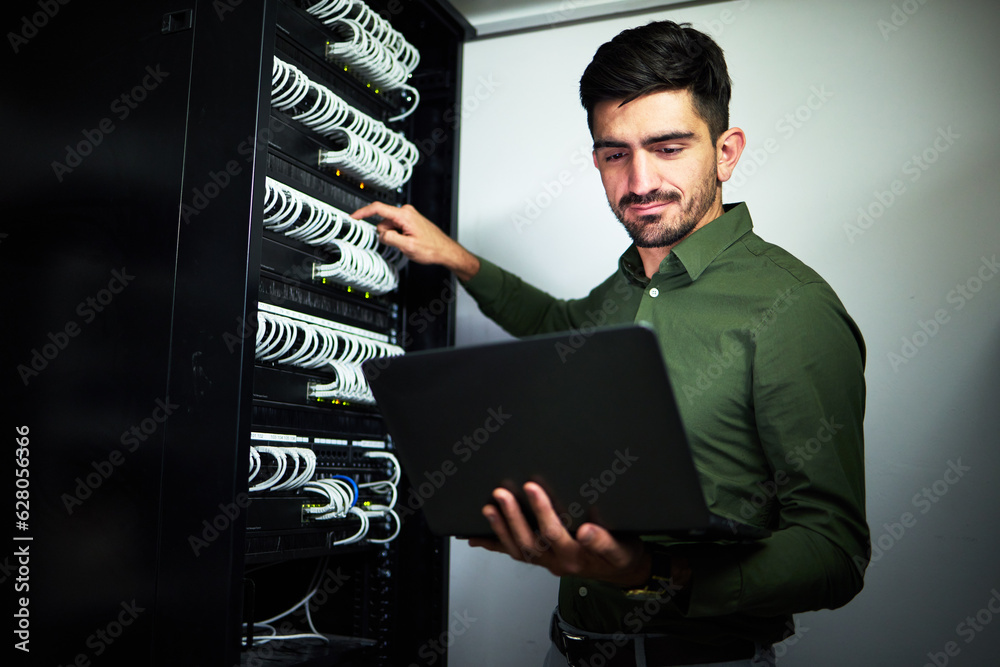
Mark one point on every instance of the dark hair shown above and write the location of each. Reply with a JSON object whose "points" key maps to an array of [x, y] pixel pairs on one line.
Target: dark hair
{"points": [[662, 55]]}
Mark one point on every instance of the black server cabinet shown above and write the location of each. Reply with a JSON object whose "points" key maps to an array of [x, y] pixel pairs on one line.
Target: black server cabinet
{"points": [[140, 147]]}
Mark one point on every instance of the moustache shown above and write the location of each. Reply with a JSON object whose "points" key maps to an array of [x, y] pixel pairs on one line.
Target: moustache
{"points": [[632, 199]]}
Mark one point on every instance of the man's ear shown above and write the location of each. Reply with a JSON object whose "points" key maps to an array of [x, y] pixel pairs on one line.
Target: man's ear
{"points": [[728, 149]]}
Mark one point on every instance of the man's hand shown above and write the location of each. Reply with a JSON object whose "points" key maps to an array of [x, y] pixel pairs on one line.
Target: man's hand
{"points": [[592, 554], [419, 238]]}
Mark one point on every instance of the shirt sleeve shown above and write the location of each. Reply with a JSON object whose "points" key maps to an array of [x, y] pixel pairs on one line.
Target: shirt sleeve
{"points": [[522, 309], [808, 400]]}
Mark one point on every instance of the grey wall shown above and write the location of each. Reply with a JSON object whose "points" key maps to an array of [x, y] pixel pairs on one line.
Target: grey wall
{"points": [[884, 108]]}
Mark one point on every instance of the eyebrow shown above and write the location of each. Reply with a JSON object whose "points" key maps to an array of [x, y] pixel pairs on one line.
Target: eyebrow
{"points": [[669, 136]]}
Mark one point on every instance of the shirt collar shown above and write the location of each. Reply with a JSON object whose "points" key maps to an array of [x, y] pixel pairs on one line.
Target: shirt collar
{"points": [[697, 251]]}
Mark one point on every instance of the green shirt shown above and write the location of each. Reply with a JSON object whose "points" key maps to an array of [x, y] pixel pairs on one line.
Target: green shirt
{"points": [[767, 369]]}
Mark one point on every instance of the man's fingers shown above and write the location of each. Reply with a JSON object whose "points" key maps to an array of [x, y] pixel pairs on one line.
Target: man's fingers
{"points": [[602, 544], [549, 524], [375, 208], [389, 236], [486, 543], [500, 528], [520, 532]]}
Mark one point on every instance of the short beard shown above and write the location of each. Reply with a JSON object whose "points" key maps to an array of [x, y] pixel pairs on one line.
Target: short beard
{"points": [[651, 231]]}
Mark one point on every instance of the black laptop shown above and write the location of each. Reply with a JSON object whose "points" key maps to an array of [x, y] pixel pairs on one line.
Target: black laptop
{"points": [[590, 417]]}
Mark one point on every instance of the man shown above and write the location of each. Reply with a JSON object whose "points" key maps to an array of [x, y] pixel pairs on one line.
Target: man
{"points": [[766, 366]]}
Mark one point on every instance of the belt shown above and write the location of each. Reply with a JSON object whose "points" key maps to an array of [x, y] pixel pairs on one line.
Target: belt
{"points": [[620, 650]]}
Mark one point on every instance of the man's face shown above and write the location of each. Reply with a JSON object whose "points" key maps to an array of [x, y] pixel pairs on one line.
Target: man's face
{"points": [[658, 165]]}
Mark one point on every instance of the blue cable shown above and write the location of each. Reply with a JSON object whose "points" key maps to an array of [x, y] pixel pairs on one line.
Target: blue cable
{"points": [[357, 492]]}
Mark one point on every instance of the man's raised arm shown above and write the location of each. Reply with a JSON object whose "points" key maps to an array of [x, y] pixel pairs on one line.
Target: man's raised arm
{"points": [[420, 239]]}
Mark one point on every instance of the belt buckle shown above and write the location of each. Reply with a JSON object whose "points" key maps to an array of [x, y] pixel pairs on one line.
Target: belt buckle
{"points": [[563, 640], [566, 639]]}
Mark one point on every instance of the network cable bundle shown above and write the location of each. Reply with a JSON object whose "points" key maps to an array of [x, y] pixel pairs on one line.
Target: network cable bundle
{"points": [[368, 150], [337, 503], [322, 495], [295, 339], [361, 261], [366, 42], [323, 480], [235, 339]]}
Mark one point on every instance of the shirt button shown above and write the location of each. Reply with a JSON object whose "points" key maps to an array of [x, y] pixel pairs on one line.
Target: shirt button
{"points": [[583, 591], [654, 292]]}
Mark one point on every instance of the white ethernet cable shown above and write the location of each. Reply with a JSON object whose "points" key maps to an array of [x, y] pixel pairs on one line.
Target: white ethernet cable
{"points": [[370, 45], [389, 486], [363, 261], [267, 624], [385, 511], [385, 486], [254, 463], [363, 160], [312, 344], [281, 455], [360, 268], [308, 460], [281, 464], [371, 150], [341, 501], [341, 492], [340, 495]]}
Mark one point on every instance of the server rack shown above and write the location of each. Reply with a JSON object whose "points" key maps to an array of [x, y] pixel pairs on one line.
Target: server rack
{"points": [[141, 146]]}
